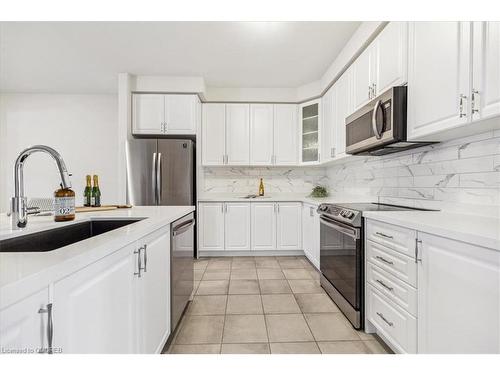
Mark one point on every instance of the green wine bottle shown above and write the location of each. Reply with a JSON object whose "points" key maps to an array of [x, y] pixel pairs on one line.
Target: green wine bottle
{"points": [[87, 193], [96, 193]]}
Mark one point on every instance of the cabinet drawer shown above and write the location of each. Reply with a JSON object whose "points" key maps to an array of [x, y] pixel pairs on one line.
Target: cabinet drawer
{"points": [[397, 264], [401, 293], [394, 237], [392, 322]]}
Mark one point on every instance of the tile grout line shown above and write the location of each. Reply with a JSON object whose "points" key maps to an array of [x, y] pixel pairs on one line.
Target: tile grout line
{"points": [[225, 309], [264, 315]]}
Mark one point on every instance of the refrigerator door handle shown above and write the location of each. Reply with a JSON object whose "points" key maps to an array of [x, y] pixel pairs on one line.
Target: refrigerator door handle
{"points": [[153, 178], [158, 178]]}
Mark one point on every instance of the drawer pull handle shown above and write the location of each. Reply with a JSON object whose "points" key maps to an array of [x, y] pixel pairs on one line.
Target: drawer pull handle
{"points": [[390, 324], [384, 285], [383, 235], [384, 260]]}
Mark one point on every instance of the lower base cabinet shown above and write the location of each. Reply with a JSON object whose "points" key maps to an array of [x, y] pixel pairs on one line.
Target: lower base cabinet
{"points": [[311, 234], [240, 226]]}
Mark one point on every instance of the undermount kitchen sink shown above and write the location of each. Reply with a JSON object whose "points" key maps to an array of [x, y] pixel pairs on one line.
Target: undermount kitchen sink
{"points": [[253, 196], [52, 239]]}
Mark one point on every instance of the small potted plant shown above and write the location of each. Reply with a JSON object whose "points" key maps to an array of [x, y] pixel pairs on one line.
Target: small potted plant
{"points": [[319, 192]]}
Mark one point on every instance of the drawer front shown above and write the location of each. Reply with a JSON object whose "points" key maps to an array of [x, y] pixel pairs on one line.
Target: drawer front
{"points": [[394, 237], [392, 322], [396, 290], [397, 264]]}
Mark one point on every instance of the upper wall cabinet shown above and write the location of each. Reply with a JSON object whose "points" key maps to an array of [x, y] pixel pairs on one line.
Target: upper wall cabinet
{"points": [[213, 134], [438, 77], [310, 132], [485, 95], [285, 134], [382, 65], [237, 134], [261, 134], [164, 113]]}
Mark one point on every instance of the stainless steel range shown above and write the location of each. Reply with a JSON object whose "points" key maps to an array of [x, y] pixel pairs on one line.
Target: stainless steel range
{"points": [[342, 254]]}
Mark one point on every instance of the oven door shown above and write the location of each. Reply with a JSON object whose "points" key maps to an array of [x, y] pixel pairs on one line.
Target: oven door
{"points": [[371, 126], [341, 259]]}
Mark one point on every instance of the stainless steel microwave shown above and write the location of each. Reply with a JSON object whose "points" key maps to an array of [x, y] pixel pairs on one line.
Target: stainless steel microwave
{"points": [[379, 127]]}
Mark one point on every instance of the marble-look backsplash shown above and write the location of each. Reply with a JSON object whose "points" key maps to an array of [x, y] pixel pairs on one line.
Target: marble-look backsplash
{"points": [[458, 175], [276, 179]]}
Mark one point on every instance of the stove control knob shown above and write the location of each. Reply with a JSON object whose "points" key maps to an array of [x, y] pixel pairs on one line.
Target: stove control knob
{"points": [[350, 215]]}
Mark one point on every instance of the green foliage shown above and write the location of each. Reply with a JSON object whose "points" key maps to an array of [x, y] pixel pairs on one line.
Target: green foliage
{"points": [[319, 192]]}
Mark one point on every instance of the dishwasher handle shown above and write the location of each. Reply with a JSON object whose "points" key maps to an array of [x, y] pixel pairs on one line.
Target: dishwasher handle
{"points": [[183, 227]]}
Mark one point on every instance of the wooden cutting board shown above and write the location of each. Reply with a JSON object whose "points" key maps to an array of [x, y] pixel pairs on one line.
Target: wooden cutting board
{"points": [[101, 208]]}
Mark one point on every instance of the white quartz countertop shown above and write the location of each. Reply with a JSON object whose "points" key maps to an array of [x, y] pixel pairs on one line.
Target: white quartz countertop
{"points": [[15, 267], [280, 197], [477, 230]]}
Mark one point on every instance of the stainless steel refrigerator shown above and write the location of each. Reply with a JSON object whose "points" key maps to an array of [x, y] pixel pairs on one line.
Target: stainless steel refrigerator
{"points": [[160, 172]]}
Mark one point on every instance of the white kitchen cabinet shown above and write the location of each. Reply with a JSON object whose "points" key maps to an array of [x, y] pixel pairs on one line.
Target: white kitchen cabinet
{"points": [[363, 73], [310, 132], [94, 308], [153, 300], [148, 114], [23, 327], [328, 125], [237, 226], [261, 134], [485, 95], [311, 233], [263, 226], [213, 147], [285, 134], [289, 226], [438, 77], [211, 226], [391, 57], [180, 113], [458, 297], [237, 134], [164, 113], [342, 105]]}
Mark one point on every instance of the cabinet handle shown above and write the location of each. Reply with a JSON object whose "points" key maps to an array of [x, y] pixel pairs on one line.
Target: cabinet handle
{"points": [[374, 90], [311, 212], [139, 263], [390, 324], [369, 92], [417, 259], [223, 159], [145, 247], [383, 235], [222, 207], [278, 207], [384, 260], [461, 105], [50, 326], [473, 101], [384, 285]]}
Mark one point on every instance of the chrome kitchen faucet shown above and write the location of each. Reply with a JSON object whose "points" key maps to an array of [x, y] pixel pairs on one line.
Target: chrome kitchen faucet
{"points": [[19, 207]]}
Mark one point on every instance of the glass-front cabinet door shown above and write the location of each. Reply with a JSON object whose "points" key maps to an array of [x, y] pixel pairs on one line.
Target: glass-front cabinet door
{"points": [[310, 132]]}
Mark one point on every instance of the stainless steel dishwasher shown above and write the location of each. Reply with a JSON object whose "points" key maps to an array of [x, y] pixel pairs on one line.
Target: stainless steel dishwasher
{"points": [[182, 243]]}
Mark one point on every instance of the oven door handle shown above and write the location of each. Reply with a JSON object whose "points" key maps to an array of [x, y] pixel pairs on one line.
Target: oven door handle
{"points": [[351, 232]]}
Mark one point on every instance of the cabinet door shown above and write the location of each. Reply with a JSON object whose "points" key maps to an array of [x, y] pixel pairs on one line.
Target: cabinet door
{"points": [[310, 132], [362, 71], [180, 114], [285, 134], [391, 52], [23, 329], [213, 129], [438, 77], [237, 226], [261, 134], [154, 292], [211, 226], [289, 218], [94, 307], [342, 107], [328, 124], [237, 134], [458, 297], [486, 70], [263, 226], [148, 113]]}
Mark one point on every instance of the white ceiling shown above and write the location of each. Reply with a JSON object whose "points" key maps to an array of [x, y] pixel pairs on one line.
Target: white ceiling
{"points": [[84, 57]]}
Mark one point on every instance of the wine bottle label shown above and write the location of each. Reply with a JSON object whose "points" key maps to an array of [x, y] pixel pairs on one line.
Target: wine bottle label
{"points": [[64, 206], [92, 201]]}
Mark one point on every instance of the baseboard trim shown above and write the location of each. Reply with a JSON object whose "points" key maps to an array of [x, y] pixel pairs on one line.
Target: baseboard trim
{"points": [[250, 253]]}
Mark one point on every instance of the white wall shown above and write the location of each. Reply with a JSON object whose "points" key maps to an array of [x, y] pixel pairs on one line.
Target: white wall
{"points": [[82, 128]]}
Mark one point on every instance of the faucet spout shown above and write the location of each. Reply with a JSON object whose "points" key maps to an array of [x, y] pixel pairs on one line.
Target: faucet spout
{"points": [[19, 209]]}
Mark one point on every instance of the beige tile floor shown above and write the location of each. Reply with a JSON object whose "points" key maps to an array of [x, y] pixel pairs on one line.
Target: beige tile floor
{"points": [[262, 305]]}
